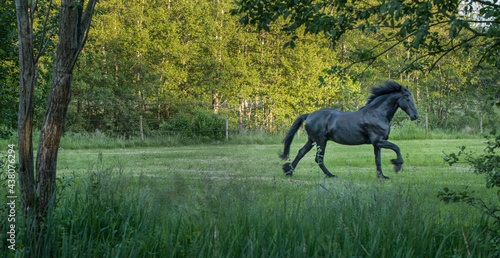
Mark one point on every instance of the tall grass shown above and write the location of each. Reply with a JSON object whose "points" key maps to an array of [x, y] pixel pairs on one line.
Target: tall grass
{"points": [[111, 214], [101, 215], [408, 130], [104, 141]]}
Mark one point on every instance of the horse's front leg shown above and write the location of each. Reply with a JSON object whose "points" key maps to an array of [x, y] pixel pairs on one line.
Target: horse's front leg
{"points": [[398, 162], [378, 163]]}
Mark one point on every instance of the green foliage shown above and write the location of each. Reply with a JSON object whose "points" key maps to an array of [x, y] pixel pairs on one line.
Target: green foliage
{"points": [[155, 60], [407, 130], [9, 75], [180, 123], [415, 25], [203, 124], [489, 165], [210, 125]]}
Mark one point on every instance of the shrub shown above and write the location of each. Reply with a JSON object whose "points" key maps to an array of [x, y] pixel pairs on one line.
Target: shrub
{"points": [[489, 165], [180, 123], [202, 123], [208, 124]]}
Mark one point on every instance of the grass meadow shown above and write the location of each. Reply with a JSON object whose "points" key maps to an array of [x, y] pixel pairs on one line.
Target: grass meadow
{"points": [[232, 200]]}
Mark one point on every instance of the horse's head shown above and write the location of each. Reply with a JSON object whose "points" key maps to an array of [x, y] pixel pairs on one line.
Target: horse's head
{"points": [[406, 103]]}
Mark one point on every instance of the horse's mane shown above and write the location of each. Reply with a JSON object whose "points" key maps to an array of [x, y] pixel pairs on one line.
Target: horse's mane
{"points": [[388, 87]]}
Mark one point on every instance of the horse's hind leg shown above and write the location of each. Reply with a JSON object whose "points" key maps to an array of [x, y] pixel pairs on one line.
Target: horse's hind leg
{"points": [[320, 155], [288, 167]]}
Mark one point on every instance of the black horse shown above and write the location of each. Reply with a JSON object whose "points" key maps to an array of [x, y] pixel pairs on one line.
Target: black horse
{"points": [[369, 125]]}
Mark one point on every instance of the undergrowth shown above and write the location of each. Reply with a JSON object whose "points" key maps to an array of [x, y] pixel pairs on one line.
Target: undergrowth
{"points": [[109, 213]]}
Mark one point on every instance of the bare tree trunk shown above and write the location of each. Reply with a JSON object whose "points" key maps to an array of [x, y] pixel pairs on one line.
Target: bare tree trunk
{"points": [[52, 128], [73, 29], [240, 113], [25, 116], [215, 101]]}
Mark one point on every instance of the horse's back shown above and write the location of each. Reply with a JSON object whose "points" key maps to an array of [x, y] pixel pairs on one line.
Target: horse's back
{"points": [[319, 118], [338, 126]]}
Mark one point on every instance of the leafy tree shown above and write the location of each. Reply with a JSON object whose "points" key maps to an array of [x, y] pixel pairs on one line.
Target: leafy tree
{"points": [[413, 24], [158, 58], [8, 66]]}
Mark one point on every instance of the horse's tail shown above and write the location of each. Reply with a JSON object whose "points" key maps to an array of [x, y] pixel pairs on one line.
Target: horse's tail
{"points": [[290, 134]]}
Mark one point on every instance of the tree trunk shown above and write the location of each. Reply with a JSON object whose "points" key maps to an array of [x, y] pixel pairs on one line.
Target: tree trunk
{"points": [[240, 113], [73, 29], [52, 129], [25, 116], [215, 101]]}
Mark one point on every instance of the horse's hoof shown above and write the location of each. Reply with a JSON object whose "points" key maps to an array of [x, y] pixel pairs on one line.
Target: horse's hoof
{"points": [[330, 176], [383, 177], [397, 165], [288, 169]]}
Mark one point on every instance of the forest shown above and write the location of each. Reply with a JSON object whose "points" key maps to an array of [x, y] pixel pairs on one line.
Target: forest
{"points": [[163, 59]]}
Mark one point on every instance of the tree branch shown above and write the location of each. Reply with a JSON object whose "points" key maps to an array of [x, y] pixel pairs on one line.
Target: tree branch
{"points": [[380, 54], [42, 45], [486, 52], [394, 45], [85, 27], [32, 13], [475, 32], [451, 49], [487, 3]]}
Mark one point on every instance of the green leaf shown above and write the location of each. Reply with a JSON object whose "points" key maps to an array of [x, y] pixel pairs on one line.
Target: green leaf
{"points": [[290, 44]]}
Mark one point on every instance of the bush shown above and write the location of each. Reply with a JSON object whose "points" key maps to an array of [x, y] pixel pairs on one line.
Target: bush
{"points": [[180, 123], [208, 124], [489, 165], [203, 124]]}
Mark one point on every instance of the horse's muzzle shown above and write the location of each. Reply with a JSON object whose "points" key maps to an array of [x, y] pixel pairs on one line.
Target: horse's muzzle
{"points": [[414, 117]]}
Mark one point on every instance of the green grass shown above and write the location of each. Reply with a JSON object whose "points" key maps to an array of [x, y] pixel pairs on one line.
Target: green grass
{"points": [[231, 199]]}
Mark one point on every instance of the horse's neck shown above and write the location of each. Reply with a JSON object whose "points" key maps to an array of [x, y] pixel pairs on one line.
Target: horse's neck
{"points": [[386, 105]]}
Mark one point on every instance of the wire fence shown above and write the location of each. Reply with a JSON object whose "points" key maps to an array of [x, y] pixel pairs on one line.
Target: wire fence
{"points": [[150, 127], [142, 127]]}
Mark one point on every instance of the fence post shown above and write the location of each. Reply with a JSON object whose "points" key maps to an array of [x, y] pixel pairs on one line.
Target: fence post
{"points": [[140, 126], [227, 127], [481, 122], [426, 123]]}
